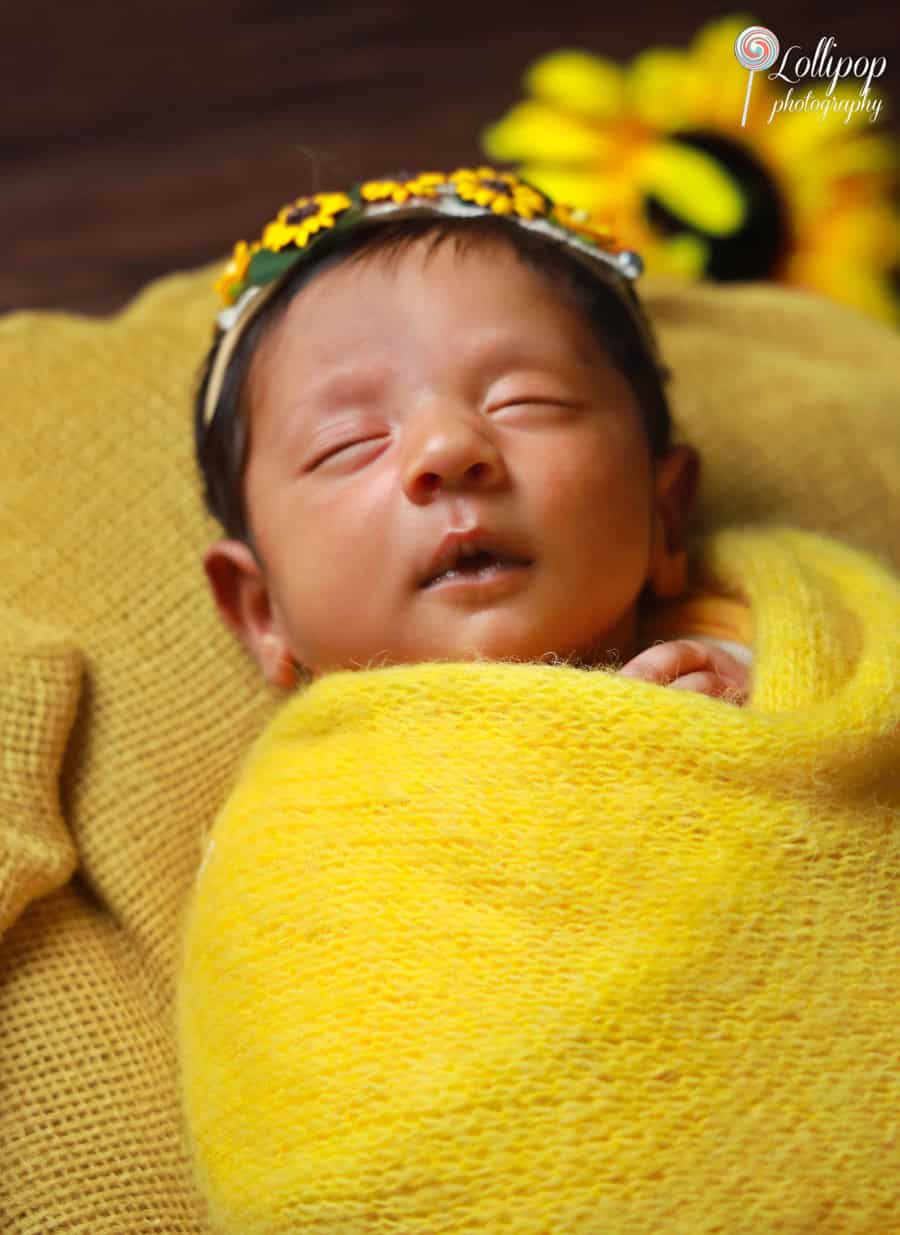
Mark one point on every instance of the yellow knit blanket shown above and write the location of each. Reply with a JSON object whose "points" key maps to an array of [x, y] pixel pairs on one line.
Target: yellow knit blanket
{"points": [[502, 948]]}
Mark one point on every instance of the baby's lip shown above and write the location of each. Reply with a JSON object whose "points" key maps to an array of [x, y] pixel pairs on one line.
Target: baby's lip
{"points": [[461, 542]]}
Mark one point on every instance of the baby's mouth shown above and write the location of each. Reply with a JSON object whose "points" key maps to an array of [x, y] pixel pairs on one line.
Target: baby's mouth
{"points": [[471, 557], [481, 565]]}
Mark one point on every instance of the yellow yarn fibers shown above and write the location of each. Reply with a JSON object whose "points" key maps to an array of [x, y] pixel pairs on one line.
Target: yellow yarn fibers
{"points": [[503, 948]]}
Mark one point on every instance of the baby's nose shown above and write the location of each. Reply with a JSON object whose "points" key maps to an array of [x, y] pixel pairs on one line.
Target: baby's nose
{"points": [[451, 452]]}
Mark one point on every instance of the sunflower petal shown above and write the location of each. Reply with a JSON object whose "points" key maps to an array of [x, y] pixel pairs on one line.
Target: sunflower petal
{"points": [[713, 43], [536, 131], [587, 85], [585, 188], [860, 287], [864, 234], [849, 112], [799, 135], [666, 90], [854, 170], [693, 186], [870, 155], [683, 255], [712, 54]]}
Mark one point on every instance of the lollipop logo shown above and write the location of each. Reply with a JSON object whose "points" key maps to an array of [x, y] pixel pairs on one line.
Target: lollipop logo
{"points": [[755, 48]]}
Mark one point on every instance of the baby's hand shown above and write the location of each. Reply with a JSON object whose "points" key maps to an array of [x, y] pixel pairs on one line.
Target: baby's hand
{"points": [[689, 665]]}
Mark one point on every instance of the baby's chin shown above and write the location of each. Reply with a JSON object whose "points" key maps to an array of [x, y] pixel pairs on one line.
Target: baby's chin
{"points": [[541, 647], [498, 636]]}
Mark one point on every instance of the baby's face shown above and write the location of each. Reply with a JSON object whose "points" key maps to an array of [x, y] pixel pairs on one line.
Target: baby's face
{"points": [[398, 401]]}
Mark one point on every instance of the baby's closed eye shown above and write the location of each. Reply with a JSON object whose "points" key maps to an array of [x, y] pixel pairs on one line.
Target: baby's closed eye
{"points": [[344, 449]]}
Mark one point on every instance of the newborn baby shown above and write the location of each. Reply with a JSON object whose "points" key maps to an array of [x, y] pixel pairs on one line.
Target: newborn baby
{"points": [[510, 946], [446, 438]]}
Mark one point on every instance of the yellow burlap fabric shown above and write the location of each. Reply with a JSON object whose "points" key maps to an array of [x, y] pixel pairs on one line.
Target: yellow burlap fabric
{"points": [[126, 707], [520, 948]]}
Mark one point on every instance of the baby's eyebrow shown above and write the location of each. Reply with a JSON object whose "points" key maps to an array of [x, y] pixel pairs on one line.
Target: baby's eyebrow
{"points": [[354, 385], [503, 351]]}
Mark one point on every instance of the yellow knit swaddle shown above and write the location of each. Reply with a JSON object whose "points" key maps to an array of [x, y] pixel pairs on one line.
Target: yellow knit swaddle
{"points": [[488, 948]]}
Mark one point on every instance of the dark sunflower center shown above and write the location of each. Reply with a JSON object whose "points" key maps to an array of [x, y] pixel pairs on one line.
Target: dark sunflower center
{"points": [[755, 249], [299, 213]]}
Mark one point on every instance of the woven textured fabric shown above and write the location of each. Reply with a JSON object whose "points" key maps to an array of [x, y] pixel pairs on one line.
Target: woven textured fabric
{"points": [[793, 404], [40, 678], [90, 1139], [103, 531], [127, 706], [523, 948], [124, 708]]}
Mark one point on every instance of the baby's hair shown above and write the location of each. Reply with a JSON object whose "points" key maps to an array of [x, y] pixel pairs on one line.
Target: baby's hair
{"points": [[221, 447]]}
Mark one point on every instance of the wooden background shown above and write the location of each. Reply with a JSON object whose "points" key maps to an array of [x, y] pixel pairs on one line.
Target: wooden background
{"points": [[138, 138]]}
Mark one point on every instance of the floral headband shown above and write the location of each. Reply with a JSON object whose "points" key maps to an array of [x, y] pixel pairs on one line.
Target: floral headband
{"points": [[256, 270]]}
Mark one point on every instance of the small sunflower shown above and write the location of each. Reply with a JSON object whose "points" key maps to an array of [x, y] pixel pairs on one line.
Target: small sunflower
{"points": [[400, 191], [802, 197], [231, 281], [503, 192], [302, 218]]}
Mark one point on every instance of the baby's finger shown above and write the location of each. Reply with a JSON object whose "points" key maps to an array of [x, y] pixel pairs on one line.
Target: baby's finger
{"points": [[713, 684], [664, 662]]}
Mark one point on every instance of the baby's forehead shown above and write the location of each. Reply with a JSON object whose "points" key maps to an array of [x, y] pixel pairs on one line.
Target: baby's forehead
{"points": [[484, 300]]}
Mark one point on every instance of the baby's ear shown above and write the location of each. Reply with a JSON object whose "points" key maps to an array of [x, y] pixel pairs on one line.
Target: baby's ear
{"points": [[677, 479], [241, 593], [677, 476], [235, 579]]}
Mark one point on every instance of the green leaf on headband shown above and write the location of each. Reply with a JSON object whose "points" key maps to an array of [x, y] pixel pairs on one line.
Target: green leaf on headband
{"points": [[266, 265], [349, 217]]}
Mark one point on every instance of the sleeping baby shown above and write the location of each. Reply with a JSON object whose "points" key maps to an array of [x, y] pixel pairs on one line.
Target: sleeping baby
{"points": [[493, 936], [443, 434]]}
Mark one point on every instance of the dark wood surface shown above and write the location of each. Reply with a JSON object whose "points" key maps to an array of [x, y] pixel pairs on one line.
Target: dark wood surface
{"points": [[138, 138]]}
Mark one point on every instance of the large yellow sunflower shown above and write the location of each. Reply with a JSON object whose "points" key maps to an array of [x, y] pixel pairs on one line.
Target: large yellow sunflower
{"points": [[798, 196]]}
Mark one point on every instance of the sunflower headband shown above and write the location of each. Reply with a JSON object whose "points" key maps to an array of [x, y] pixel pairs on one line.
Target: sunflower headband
{"points": [[255, 271]]}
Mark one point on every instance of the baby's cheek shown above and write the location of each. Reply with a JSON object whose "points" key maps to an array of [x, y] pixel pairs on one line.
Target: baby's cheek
{"points": [[593, 486]]}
